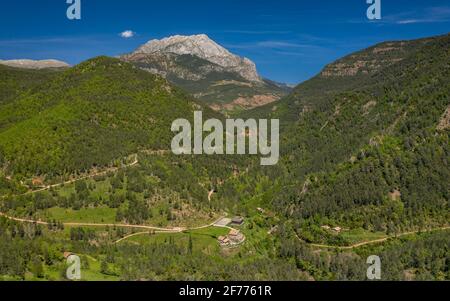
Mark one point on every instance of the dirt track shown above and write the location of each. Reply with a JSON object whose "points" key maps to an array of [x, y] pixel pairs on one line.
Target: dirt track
{"points": [[375, 241], [100, 173], [129, 226]]}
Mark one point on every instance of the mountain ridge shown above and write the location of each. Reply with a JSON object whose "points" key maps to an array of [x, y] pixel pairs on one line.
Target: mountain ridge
{"points": [[226, 82], [34, 64], [90, 115], [205, 48]]}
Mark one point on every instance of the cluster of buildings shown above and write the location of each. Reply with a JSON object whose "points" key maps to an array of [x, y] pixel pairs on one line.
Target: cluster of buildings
{"points": [[234, 238], [335, 229], [237, 221]]}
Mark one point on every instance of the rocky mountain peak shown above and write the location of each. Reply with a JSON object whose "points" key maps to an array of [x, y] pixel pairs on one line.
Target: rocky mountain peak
{"points": [[205, 48], [32, 64]]}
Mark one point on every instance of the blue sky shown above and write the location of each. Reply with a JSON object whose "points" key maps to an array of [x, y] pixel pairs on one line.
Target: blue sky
{"points": [[289, 40]]}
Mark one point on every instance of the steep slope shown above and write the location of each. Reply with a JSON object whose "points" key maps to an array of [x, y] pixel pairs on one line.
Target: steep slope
{"points": [[360, 71], [90, 115], [363, 143], [208, 71]]}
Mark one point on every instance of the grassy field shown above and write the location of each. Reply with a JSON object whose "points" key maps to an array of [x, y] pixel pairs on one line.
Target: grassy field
{"points": [[204, 240], [85, 215], [89, 272], [186, 216], [360, 235]]}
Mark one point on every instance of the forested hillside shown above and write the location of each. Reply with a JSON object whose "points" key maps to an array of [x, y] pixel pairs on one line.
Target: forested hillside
{"points": [[14, 81], [365, 143], [87, 116], [363, 170]]}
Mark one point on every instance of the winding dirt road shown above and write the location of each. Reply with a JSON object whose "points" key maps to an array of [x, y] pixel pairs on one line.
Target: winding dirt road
{"points": [[129, 226], [38, 222], [180, 230], [372, 242], [100, 173], [90, 176], [210, 194]]}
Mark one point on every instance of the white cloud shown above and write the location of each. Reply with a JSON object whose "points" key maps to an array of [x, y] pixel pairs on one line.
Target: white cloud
{"points": [[412, 21], [272, 44], [282, 44], [257, 32], [127, 34], [439, 14], [429, 15]]}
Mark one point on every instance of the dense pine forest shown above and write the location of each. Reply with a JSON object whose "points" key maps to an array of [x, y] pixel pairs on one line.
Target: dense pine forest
{"points": [[365, 156], [373, 155]]}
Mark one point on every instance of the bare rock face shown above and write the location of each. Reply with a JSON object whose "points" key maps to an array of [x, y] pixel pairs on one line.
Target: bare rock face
{"points": [[207, 71], [205, 48], [444, 123], [31, 64]]}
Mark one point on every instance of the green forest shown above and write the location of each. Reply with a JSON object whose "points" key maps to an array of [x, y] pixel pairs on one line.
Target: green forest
{"points": [[85, 168]]}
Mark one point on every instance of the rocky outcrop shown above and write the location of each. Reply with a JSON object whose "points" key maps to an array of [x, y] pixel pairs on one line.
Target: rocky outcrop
{"points": [[208, 71], [32, 64], [444, 123], [372, 60], [247, 103], [205, 48]]}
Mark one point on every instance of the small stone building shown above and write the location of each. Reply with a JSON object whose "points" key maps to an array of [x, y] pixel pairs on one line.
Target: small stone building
{"points": [[238, 221]]}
